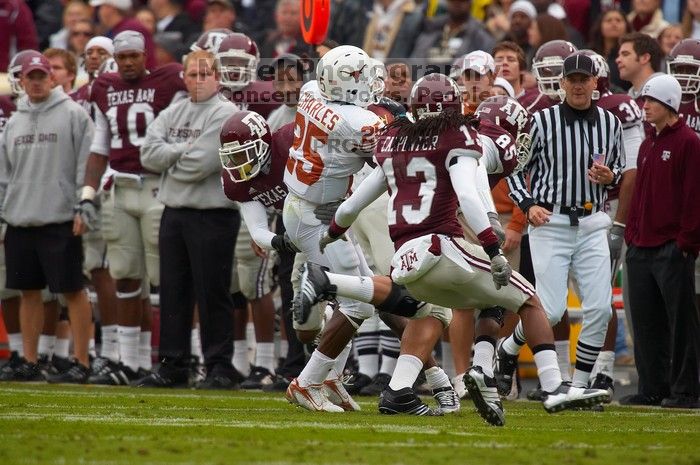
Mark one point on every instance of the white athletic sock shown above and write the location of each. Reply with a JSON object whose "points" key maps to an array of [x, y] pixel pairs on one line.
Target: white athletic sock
{"points": [[60, 349], [548, 370], [448, 361], [284, 348], [92, 352], [196, 344], [563, 354], [265, 356], [110, 342], [16, 344], [353, 287], [129, 346], [483, 356], [339, 364], [437, 378], [240, 357], [390, 348], [407, 369], [145, 350], [316, 369], [510, 346], [46, 345], [367, 346], [606, 363], [251, 342]]}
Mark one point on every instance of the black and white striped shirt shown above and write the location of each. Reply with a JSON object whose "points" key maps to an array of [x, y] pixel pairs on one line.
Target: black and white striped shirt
{"points": [[563, 143]]}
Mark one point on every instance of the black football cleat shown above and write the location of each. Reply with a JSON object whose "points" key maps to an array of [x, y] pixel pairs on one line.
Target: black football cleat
{"points": [[76, 374], [114, 374], [7, 371], [603, 381], [379, 383], [506, 366], [356, 382], [484, 393], [314, 287], [404, 401], [258, 378]]}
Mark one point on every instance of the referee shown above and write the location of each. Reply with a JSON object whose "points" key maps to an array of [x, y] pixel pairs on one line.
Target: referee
{"points": [[577, 155]]}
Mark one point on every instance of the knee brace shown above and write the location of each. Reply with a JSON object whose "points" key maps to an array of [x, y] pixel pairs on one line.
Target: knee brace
{"points": [[400, 302], [495, 313]]}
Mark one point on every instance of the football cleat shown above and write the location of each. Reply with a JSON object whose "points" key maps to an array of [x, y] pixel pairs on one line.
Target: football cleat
{"points": [[61, 364], [536, 394], [447, 399], [26, 371], [355, 382], [567, 397], [377, 386], [114, 374], [7, 371], [258, 378], [406, 401], [460, 387], [167, 375], [642, 399], [506, 366], [279, 384], [77, 374], [484, 394], [314, 287], [310, 397], [603, 381], [221, 381], [46, 367], [336, 393]]}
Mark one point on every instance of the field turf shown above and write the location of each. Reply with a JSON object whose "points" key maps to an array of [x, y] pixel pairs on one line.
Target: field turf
{"points": [[41, 424]]}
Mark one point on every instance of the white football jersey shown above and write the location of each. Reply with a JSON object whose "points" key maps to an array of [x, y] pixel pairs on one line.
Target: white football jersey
{"points": [[490, 156], [332, 141]]}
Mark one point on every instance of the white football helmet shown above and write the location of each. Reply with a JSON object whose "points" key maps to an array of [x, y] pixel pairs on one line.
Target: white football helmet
{"points": [[348, 74], [378, 84]]}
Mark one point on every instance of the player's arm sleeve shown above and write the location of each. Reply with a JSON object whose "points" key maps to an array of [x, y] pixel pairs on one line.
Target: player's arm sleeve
{"points": [[632, 138], [516, 181], [157, 153], [484, 188], [463, 174], [367, 192], [255, 218], [100, 142], [201, 159], [83, 134]]}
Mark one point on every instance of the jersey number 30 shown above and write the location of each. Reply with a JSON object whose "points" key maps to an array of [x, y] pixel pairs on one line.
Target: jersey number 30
{"points": [[403, 211]]}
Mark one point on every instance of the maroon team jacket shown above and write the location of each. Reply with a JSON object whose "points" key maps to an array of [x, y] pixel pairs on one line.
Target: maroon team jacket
{"points": [[665, 206]]}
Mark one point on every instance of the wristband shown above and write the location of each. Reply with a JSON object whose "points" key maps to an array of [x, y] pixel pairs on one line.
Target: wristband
{"points": [[617, 223], [489, 241], [87, 193], [336, 231]]}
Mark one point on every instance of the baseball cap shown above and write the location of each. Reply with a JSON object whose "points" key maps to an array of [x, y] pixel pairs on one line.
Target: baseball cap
{"points": [[523, 6], [118, 4], [480, 62], [579, 63], [102, 42], [131, 41], [36, 62]]}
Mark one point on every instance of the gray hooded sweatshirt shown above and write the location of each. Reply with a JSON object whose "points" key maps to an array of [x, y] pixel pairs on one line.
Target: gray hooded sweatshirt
{"points": [[182, 144], [43, 153]]}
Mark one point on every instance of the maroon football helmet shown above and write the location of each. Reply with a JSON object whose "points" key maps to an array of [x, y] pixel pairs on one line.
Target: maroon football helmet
{"points": [[509, 114], [210, 40], [14, 70], [602, 72], [433, 94], [245, 146], [238, 59], [548, 65], [683, 63]]}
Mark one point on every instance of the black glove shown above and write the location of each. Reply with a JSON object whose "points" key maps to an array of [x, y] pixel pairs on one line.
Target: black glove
{"points": [[326, 212], [88, 214], [616, 236], [283, 244], [497, 227]]}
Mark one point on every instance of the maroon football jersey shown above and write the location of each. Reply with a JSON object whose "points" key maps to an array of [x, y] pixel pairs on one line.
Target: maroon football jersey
{"points": [[505, 145], [422, 200], [82, 97], [257, 96], [130, 107], [268, 189], [7, 107], [690, 112], [623, 106], [533, 100]]}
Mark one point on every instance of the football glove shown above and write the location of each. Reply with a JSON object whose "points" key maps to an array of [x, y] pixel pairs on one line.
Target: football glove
{"points": [[497, 227], [326, 211], [282, 243], [328, 239], [616, 236], [88, 214], [500, 271]]}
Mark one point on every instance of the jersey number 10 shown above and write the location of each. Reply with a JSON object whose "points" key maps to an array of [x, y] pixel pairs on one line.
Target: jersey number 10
{"points": [[135, 136]]}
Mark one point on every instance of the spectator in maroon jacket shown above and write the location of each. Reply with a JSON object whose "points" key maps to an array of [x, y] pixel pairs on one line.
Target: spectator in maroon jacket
{"points": [[17, 31], [115, 16], [663, 236]]}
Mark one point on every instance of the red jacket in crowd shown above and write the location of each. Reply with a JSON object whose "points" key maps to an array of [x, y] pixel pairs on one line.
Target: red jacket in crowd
{"points": [[666, 202], [16, 30]]}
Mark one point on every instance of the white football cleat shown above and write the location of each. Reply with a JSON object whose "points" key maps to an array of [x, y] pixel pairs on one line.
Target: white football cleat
{"points": [[336, 393], [310, 397], [569, 397]]}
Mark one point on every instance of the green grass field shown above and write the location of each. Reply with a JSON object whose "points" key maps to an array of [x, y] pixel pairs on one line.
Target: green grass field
{"points": [[42, 424]]}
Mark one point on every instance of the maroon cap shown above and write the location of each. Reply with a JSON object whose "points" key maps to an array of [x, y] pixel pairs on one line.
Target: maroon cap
{"points": [[35, 62]]}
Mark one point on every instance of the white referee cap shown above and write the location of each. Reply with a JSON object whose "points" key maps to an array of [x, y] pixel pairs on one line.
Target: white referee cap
{"points": [[665, 89]]}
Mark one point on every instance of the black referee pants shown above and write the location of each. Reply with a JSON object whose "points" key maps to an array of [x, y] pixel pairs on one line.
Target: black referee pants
{"points": [[196, 253], [664, 319]]}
